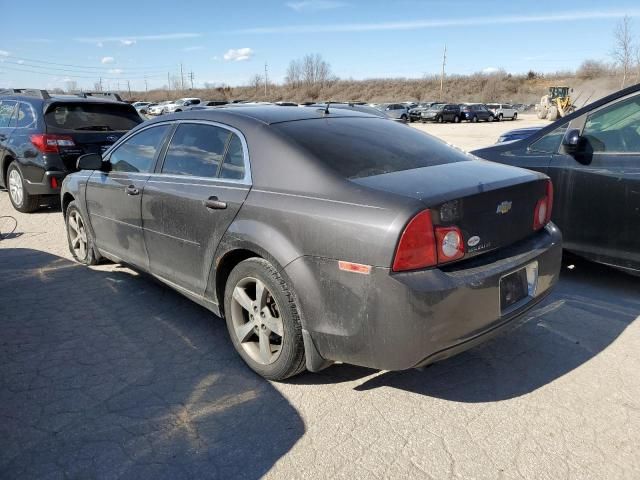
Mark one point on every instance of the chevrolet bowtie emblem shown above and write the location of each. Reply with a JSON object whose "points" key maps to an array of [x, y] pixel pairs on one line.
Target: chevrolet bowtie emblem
{"points": [[503, 207]]}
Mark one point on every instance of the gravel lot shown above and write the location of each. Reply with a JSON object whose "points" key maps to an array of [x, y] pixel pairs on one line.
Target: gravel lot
{"points": [[106, 374]]}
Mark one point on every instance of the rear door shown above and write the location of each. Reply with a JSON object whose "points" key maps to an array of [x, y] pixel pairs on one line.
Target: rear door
{"points": [[599, 187], [191, 199], [7, 112], [93, 126], [114, 197]]}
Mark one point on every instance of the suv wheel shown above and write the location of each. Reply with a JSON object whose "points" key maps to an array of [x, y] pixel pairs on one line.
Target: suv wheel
{"points": [[500, 117], [474, 119], [440, 119], [79, 237], [263, 321], [515, 116], [456, 119], [403, 117], [20, 198]]}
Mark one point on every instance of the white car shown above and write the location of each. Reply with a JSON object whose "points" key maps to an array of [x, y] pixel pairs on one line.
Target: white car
{"points": [[159, 109], [180, 104], [502, 110]]}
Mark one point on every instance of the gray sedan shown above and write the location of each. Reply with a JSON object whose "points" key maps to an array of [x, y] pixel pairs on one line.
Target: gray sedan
{"points": [[320, 236]]}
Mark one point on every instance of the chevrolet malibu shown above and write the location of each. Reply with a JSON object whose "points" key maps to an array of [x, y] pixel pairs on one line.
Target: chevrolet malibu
{"points": [[321, 235]]}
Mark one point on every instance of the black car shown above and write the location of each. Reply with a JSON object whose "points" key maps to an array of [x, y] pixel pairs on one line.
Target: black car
{"points": [[442, 112], [415, 113], [593, 158], [42, 136], [476, 111], [320, 235]]}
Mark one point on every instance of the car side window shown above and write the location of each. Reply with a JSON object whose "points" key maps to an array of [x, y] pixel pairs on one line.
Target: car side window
{"points": [[550, 143], [6, 112], [25, 118], [137, 154], [614, 129], [196, 150], [233, 166]]}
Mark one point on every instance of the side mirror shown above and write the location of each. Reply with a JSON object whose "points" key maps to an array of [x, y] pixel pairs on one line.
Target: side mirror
{"points": [[89, 161], [571, 140]]}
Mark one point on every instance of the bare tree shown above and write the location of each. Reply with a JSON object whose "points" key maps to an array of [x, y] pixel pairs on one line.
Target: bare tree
{"points": [[294, 74], [315, 71], [72, 85], [623, 47], [590, 69], [256, 82]]}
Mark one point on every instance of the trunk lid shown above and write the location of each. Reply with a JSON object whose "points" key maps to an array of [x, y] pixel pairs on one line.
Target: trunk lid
{"points": [[492, 204]]}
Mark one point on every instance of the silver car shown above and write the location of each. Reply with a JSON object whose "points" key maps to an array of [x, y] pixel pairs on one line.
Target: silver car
{"points": [[397, 111]]}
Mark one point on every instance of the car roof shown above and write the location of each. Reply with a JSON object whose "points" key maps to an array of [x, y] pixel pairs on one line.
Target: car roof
{"points": [[266, 114]]}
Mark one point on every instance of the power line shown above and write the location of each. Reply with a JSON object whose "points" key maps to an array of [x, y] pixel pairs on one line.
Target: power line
{"points": [[73, 76], [83, 66], [106, 70]]}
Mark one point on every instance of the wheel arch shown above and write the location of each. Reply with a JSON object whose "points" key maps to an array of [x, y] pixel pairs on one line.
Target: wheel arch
{"points": [[6, 161], [67, 198]]}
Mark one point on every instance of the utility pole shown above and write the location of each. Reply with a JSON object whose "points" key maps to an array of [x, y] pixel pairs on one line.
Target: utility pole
{"points": [[265, 80], [100, 84], [181, 78], [191, 78], [129, 88], [146, 85], [168, 82], [444, 62]]}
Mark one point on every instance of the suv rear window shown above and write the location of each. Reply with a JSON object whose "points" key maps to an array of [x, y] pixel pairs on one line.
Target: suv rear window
{"points": [[100, 117], [363, 147]]}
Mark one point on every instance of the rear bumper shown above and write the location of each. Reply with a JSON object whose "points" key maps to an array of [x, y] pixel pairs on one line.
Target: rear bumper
{"points": [[395, 321], [45, 186]]}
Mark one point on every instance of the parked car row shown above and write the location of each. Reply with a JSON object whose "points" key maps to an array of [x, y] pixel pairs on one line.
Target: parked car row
{"points": [[456, 113]]}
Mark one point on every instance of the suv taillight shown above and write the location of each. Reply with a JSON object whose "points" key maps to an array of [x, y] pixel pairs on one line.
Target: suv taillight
{"points": [[542, 212], [50, 143], [421, 245]]}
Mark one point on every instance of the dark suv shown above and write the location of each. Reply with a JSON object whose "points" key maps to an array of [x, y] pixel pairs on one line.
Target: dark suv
{"points": [[476, 111], [442, 112], [42, 135]]}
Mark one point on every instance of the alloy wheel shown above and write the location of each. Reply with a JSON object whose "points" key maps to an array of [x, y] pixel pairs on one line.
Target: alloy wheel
{"points": [[256, 321], [77, 235], [15, 187]]}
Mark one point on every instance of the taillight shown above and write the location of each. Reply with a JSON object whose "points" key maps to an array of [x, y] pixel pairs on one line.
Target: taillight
{"points": [[450, 244], [542, 212], [421, 245], [50, 143], [417, 246]]}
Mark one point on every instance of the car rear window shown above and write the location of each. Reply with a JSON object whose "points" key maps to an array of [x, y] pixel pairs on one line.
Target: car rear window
{"points": [[101, 117], [363, 147]]}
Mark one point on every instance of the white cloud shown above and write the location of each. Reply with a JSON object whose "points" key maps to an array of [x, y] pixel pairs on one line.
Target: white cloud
{"points": [[444, 22], [314, 5], [106, 60], [20, 62], [138, 38], [490, 70], [117, 71], [127, 43], [4, 53], [238, 54]]}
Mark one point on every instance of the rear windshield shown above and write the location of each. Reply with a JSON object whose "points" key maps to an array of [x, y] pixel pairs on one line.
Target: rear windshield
{"points": [[101, 117], [363, 147]]}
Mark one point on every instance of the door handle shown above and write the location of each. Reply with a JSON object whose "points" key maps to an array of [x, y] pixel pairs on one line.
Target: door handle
{"points": [[132, 190], [214, 204]]}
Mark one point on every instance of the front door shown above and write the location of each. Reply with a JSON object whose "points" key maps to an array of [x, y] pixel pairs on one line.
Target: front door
{"points": [[7, 110], [601, 185], [188, 204], [114, 197]]}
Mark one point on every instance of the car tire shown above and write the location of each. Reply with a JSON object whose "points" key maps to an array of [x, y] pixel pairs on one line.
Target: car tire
{"points": [[249, 320], [515, 117], [20, 198], [456, 119], [440, 119], [403, 118], [79, 237], [500, 117], [474, 119]]}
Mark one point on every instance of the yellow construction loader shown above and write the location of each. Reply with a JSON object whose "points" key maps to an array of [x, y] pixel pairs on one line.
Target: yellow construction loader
{"points": [[556, 104]]}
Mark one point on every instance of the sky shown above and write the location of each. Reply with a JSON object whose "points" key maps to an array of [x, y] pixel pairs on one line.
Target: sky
{"points": [[222, 42]]}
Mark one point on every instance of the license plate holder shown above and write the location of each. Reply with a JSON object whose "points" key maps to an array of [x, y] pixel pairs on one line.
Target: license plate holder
{"points": [[514, 288]]}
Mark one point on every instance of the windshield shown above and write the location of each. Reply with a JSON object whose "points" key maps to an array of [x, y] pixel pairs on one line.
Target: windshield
{"points": [[363, 147], [180, 102], [103, 117]]}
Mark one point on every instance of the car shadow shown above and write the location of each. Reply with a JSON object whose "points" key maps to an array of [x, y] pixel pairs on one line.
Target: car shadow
{"points": [[106, 374], [590, 307]]}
